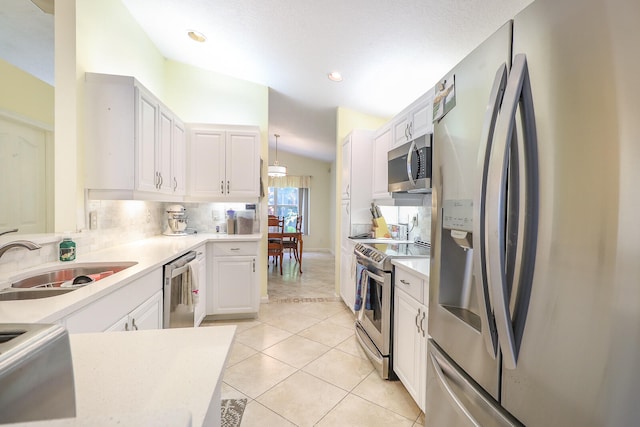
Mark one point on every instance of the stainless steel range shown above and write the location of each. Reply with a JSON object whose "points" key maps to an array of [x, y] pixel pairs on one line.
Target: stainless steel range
{"points": [[374, 308]]}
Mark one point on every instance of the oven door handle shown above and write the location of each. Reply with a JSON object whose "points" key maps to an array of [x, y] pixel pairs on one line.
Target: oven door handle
{"points": [[365, 292], [375, 277]]}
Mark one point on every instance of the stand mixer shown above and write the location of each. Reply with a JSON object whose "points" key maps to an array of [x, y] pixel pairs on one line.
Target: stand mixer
{"points": [[176, 221]]}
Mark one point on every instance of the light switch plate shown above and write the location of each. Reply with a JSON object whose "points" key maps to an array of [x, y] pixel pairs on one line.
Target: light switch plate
{"points": [[93, 220]]}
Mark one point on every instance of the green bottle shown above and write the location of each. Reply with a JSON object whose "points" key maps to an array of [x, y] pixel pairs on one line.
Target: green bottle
{"points": [[67, 249]]}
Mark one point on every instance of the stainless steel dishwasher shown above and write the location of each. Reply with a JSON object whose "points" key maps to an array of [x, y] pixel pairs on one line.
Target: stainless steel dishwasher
{"points": [[180, 291]]}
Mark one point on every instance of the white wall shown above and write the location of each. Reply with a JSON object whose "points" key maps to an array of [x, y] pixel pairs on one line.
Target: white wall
{"points": [[320, 226]]}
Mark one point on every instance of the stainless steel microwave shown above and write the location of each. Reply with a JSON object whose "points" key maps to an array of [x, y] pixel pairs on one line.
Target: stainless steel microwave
{"points": [[409, 169]]}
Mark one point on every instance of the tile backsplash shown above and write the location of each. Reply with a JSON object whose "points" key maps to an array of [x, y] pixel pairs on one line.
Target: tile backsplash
{"points": [[118, 222], [405, 214]]}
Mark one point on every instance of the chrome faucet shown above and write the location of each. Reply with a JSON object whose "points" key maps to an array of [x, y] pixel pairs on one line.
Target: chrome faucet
{"points": [[8, 231], [17, 243]]}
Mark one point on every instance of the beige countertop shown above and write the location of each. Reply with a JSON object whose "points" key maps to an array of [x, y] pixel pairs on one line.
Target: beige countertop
{"points": [[149, 254]]}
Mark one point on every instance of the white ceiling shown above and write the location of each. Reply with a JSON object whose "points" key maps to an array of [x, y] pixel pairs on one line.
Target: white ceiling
{"points": [[389, 52]]}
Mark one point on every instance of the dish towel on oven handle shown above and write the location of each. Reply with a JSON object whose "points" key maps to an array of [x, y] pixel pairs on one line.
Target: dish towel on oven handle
{"points": [[362, 290]]}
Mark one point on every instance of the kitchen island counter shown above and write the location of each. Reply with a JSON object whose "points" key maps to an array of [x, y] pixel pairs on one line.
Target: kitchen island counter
{"points": [[157, 377], [150, 371]]}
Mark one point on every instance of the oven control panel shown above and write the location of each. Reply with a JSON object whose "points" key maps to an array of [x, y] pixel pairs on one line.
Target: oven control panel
{"points": [[369, 252]]}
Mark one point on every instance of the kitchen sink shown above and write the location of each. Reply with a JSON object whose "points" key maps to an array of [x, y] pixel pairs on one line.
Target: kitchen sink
{"points": [[22, 294], [52, 279]]}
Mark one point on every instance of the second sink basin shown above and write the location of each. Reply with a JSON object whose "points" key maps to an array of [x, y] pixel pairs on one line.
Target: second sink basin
{"points": [[54, 278]]}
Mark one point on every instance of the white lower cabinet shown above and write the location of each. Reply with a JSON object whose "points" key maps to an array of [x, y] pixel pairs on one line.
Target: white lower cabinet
{"points": [[147, 316], [137, 299], [410, 335], [348, 274], [233, 289], [200, 311]]}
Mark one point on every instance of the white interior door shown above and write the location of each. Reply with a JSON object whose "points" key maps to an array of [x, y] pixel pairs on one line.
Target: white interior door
{"points": [[23, 172]]}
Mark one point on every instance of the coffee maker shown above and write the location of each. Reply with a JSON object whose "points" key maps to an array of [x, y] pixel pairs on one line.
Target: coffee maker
{"points": [[176, 221]]}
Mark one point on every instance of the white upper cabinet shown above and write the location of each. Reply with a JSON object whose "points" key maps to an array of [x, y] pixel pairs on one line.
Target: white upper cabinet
{"points": [[243, 163], [147, 129], [130, 143], [357, 158], [380, 178], [346, 168], [224, 162], [179, 158], [413, 121]]}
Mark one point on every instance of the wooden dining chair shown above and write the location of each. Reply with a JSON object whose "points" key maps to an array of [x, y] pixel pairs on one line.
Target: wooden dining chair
{"points": [[275, 239], [291, 242]]}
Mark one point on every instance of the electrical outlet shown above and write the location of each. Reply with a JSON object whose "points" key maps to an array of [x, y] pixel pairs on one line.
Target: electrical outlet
{"points": [[93, 220]]}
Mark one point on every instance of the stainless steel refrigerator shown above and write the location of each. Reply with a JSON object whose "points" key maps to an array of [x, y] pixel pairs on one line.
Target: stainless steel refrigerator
{"points": [[534, 301]]}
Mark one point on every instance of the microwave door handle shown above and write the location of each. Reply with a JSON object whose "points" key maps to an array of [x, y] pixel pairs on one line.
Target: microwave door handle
{"points": [[409, 156], [488, 325]]}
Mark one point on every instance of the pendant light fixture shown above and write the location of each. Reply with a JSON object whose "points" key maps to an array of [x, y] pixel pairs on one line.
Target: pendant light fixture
{"points": [[276, 169]]}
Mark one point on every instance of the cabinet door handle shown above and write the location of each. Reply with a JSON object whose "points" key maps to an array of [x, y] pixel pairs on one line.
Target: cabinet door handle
{"points": [[133, 325], [254, 265], [417, 316], [175, 184], [348, 187], [404, 282], [156, 181], [227, 187], [222, 187], [424, 314], [126, 326], [161, 180]]}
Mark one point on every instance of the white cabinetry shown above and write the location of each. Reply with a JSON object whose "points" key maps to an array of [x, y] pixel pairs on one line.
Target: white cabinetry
{"points": [[233, 289], [348, 274], [380, 176], [224, 162], [413, 121], [357, 159], [200, 309], [147, 316], [134, 145], [137, 299], [356, 175], [346, 168], [410, 334]]}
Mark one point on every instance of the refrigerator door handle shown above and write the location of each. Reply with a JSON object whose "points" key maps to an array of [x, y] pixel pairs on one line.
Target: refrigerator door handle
{"points": [[518, 92], [489, 332]]}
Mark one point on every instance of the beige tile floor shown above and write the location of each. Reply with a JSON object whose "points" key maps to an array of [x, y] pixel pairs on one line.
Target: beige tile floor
{"points": [[299, 364]]}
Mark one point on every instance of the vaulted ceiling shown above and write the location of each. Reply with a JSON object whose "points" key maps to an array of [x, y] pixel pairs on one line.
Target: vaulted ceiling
{"points": [[389, 52]]}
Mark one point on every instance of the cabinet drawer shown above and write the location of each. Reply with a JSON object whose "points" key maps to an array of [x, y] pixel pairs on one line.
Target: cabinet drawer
{"points": [[235, 248], [413, 285]]}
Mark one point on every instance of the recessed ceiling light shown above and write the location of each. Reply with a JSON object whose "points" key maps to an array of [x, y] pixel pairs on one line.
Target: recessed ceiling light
{"points": [[197, 36], [335, 76]]}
